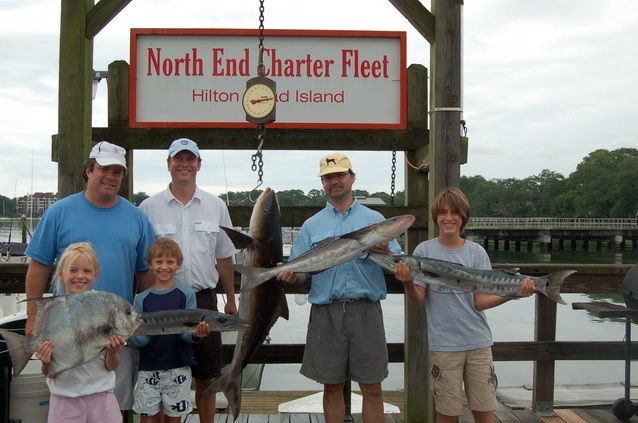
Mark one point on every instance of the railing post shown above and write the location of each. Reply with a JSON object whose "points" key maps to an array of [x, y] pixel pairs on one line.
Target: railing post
{"points": [[544, 370]]}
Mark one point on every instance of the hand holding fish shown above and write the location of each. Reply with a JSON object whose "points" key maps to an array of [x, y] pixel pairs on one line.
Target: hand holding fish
{"points": [[44, 352], [402, 273], [380, 248], [288, 276], [528, 287], [115, 344], [202, 331]]}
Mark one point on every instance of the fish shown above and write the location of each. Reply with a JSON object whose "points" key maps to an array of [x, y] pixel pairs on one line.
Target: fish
{"points": [[503, 282], [330, 252], [80, 326], [261, 306]]}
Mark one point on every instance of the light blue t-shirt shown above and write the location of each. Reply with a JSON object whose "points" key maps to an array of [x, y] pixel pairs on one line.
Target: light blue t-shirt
{"points": [[357, 279], [453, 322], [120, 236]]}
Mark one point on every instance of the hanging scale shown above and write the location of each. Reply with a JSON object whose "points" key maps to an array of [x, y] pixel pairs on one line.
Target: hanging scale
{"points": [[259, 101]]}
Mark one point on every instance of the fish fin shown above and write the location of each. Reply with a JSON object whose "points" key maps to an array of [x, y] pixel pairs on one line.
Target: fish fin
{"points": [[19, 356], [40, 307], [555, 280], [510, 270], [240, 241], [282, 306], [231, 388]]}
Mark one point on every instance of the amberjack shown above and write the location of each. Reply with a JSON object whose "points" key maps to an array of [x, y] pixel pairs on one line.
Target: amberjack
{"points": [[81, 324], [261, 306], [330, 252], [503, 282]]}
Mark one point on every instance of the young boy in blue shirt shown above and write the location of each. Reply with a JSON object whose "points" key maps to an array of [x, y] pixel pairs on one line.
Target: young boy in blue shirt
{"points": [[164, 378]]}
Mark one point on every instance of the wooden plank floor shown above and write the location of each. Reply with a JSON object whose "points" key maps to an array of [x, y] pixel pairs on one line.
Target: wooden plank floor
{"points": [[262, 407]]}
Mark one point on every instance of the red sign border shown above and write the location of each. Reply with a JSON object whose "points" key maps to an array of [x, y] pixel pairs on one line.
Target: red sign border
{"points": [[135, 32]]}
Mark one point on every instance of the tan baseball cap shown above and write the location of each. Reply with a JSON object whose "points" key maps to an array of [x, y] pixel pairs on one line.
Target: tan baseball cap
{"points": [[334, 163]]}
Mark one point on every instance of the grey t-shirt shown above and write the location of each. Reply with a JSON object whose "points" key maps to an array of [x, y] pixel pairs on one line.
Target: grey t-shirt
{"points": [[453, 322]]}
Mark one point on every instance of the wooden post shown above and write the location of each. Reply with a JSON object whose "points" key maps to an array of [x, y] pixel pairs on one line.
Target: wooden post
{"points": [[118, 115], [544, 371], [445, 111], [73, 141], [417, 394]]}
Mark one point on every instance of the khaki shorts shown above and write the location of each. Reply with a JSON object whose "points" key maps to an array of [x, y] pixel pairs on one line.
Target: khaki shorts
{"points": [[346, 340], [475, 370]]}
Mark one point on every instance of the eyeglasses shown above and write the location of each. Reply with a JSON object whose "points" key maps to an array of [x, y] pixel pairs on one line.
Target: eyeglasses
{"points": [[329, 177]]}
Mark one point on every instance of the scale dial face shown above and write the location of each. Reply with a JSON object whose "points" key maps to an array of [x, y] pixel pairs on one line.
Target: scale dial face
{"points": [[259, 101]]}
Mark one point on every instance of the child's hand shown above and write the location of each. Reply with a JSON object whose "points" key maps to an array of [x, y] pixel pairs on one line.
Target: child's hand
{"points": [[203, 330], [115, 344], [528, 287], [44, 352], [402, 273]]}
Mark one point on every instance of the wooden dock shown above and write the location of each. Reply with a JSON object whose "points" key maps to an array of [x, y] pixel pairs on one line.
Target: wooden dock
{"points": [[262, 407]]}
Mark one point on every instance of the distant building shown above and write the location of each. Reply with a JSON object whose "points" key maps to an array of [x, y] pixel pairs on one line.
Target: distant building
{"points": [[371, 201], [37, 203]]}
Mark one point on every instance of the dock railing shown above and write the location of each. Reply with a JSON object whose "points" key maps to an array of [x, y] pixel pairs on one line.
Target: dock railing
{"points": [[551, 223]]}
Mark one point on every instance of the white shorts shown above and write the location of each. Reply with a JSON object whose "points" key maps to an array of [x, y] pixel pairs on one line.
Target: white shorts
{"points": [[169, 388]]}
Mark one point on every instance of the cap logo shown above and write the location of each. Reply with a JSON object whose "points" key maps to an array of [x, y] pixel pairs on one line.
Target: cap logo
{"points": [[331, 160], [184, 142]]}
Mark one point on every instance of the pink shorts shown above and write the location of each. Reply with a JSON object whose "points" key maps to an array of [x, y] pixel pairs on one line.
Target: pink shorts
{"points": [[101, 407]]}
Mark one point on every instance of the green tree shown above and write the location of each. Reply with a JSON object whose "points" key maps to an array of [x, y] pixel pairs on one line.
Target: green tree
{"points": [[603, 182], [139, 197]]}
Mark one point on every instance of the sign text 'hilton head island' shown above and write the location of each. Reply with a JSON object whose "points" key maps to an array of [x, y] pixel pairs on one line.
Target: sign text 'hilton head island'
{"points": [[325, 79]]}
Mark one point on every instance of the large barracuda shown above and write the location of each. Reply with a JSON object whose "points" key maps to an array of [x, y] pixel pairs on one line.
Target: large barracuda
{"points": [[81, 324], [331, 251], [455, 276], [261, 306]]}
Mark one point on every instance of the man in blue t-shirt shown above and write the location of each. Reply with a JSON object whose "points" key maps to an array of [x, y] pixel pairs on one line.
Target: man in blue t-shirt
{"points": [[118, 231]]}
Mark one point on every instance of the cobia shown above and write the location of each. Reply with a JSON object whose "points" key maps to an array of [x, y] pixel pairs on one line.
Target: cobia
{"points": [[261, 306], [331, 251]]}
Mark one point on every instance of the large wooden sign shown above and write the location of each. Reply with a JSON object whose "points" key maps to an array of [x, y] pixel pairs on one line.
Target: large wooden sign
{"points": [[325, 79]]}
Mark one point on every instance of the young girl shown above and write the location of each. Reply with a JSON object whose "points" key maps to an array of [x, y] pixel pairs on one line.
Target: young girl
{"points": [[84, 393]]}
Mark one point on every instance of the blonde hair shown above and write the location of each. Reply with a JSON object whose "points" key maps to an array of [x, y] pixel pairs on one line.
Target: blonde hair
{"points": [[72, 252], [455, 200], [164, 245]]}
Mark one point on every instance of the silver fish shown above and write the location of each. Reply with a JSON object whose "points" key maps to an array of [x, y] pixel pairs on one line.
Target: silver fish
{"points": [[330, 252], [81, 324], [455, 276], [261, 306]]}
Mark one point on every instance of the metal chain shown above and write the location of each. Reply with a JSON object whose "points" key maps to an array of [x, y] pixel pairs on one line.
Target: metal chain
{"points": [[260, 62], [394, 169], [257, 158]]}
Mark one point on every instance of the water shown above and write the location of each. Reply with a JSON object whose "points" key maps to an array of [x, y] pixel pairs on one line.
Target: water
{"points": [[512, 321]]}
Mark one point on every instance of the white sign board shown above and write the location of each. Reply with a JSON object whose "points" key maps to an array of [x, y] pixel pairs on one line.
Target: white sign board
{"points": [[325, 79]]}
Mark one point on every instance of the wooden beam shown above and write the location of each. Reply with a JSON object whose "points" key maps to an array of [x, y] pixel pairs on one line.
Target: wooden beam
{"points": [[420, 17], [276, 139], [74, 96], [101, 14]]}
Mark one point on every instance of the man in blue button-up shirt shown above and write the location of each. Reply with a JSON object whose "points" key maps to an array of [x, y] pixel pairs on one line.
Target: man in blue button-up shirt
{"points": [[346, 337]]}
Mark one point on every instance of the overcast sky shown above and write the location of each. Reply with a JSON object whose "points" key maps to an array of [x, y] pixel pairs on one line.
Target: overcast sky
{"points": [[546, 82]]}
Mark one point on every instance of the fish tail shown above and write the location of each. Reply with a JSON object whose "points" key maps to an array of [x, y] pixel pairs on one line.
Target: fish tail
{"points": [[254, 276], [231, 388], [19, 356], [555, 281], [384, 260]]}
